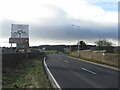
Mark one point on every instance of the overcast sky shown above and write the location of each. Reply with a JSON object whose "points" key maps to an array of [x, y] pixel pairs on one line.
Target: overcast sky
{"points": [[50, 21]]}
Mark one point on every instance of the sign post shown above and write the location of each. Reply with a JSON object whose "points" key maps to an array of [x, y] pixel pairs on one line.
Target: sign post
{"points": [[20, 36]]}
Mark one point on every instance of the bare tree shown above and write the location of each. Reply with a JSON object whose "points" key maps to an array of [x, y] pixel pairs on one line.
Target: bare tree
{"points": [[103, 43]]}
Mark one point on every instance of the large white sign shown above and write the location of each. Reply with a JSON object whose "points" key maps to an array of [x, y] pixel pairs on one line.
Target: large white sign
{"points": [[19, 31]]}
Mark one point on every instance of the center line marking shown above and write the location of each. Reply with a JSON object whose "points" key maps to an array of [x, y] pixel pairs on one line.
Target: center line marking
{"points": [[88, 71], [66, 61]]}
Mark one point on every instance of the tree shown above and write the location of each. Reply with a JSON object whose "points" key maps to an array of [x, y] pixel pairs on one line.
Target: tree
{"points": [[82, 45], [103, 43]]}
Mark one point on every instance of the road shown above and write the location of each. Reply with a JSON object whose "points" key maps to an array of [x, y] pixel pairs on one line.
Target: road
{"points": [[71, 73]]}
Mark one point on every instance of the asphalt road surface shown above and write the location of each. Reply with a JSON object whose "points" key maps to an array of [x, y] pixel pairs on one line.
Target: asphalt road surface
{"points": [[71, 73]]}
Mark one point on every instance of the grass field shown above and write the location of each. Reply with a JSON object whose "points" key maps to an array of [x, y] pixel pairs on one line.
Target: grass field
{"points": [[28, 74]]}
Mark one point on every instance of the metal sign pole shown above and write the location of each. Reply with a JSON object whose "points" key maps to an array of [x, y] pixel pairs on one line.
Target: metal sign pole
{"points": [[27, 45], [27, 53], [11, 48]]}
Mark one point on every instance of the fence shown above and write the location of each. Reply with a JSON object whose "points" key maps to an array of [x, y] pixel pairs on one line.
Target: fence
{"points": [[107, 58]]}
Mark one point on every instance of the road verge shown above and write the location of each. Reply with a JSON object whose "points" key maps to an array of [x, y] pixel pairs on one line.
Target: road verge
{"points": [[27, 74]]}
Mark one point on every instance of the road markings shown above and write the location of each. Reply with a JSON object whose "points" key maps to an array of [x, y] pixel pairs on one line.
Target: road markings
{"points": [[58, 86], [66, 61], [88, 71], [60, 58]]}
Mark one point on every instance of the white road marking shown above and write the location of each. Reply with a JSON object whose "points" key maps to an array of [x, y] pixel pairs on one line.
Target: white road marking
{"points": [[88, 71], [66, 61], [60, 58], [51, 75]]}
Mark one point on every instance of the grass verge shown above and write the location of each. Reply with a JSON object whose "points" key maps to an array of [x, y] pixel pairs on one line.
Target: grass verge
{"points": [[29, 74]]}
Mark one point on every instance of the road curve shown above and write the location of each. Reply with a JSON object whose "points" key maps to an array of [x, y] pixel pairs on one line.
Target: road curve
{"points": [[71, 73]]}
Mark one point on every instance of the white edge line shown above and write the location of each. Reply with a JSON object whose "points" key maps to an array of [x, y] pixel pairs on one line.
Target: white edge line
{"points": [[58, 86], [96, 63], [88, 71]]}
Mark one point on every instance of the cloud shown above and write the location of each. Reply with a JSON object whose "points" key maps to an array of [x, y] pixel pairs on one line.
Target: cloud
{"points": [[30, 10], [51, 20], [82, 10], [103, 0]]}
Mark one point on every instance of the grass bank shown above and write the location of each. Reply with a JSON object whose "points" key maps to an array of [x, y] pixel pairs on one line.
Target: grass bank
{"points": [[29, 74]]}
